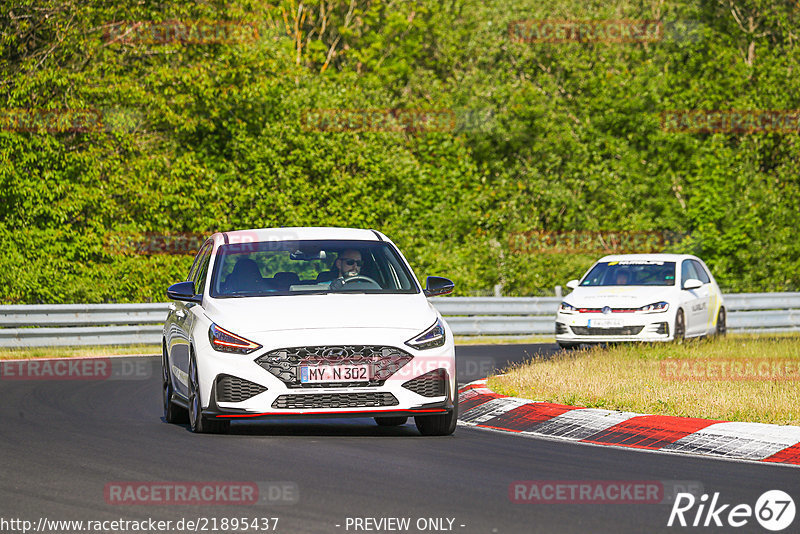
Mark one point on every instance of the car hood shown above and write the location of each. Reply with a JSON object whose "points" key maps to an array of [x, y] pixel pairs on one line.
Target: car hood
{"points": [[618, 296], [300, 312]]}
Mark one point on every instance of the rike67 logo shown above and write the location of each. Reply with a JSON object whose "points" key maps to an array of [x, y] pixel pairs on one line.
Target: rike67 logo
{"points": [[774, 510]]}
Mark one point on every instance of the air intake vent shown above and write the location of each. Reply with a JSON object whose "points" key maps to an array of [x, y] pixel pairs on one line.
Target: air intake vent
{"points": [[235, 389], [334, 400], [621, 331], [430, 384]]}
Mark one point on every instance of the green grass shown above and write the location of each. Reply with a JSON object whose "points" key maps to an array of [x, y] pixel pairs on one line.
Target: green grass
{"points": [[633, 377], [77, 352], [503, 340]]}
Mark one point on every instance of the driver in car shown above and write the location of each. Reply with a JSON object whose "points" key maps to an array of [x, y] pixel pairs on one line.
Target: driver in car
{"points": [[348, 267], [348, 263]]}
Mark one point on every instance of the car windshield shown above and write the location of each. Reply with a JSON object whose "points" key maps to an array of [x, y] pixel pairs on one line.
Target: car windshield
{"points": [[631, 273], [272, 268]]}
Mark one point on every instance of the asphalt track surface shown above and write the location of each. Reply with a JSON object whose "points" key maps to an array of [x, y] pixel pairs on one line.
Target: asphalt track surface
{"points": [[62, 442]]}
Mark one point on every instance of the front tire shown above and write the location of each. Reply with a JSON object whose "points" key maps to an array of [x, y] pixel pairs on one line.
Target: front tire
{"points": [[391, 421], [198, 423], [680, 328], [173, 414], [438, 425], [722, 326]]}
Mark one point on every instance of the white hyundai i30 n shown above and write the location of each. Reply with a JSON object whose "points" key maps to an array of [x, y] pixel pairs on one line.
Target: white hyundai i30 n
{"points": [[306, 322], [641, 297]]}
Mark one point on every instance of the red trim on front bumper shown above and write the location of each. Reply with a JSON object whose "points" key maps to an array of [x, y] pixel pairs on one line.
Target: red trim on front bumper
{"points": [[438, 410]]}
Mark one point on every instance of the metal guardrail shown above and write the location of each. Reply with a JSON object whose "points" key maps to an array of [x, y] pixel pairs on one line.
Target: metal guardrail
{"points": [[39, 325]]}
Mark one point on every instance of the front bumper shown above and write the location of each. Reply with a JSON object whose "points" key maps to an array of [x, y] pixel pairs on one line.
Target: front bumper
{"points": [[617, 327], [258, 385]]}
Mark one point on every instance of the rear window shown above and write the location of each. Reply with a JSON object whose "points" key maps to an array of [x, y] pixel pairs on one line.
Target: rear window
{"points": [[309, 267], [631, 273]]}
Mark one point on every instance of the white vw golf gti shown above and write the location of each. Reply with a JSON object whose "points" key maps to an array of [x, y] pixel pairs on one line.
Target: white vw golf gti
{"points": [[306, 322], [641, 297]]}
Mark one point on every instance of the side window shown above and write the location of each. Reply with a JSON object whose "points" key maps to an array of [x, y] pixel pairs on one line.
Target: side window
{"points": [[702, 275], [687, 271], [195, 263], [202, 268]]}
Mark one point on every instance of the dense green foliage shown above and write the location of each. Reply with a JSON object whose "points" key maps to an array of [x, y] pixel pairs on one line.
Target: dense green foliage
{"points": [[200, 137]]}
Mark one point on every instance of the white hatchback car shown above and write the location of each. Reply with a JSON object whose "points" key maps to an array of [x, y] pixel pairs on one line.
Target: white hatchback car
{"points": [[307, 322], [641, 297]]}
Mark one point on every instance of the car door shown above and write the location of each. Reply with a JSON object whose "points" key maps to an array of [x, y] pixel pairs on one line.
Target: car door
{"points": [[694, 300], [183, 320], [708, 295]]}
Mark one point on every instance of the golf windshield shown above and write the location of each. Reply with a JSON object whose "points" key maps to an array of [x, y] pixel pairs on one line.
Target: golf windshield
{"points": [[631, 273], [307, 267]]}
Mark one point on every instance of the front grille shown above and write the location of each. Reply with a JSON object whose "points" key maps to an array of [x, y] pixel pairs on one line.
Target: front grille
{"points": [[621, 331], [428, 385], [611, 310], [334, 400], [383, 361], [561, 328], [235, 389]]}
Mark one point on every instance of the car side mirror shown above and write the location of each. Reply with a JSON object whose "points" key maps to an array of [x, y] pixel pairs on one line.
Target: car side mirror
{"points": [[692, 283], [184, 291], [572, 284], [436, 285]]}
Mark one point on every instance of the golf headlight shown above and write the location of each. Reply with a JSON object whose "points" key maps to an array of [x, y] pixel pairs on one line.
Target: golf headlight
{"points": [[655, 307], [564, 307], [431, 338], [225, 341]]}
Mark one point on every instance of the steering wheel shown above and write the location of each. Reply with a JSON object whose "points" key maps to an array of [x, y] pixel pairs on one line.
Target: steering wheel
{"points": [[340, 283]]}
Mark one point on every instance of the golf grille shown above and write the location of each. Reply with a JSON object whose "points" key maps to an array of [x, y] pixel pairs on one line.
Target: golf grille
{"points": [[428, 385], [383, 361], [334, 400], [234, 389], [621, 331]]}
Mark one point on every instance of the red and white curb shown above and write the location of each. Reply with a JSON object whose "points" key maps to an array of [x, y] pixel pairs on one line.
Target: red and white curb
{"points": [[481, 407]]}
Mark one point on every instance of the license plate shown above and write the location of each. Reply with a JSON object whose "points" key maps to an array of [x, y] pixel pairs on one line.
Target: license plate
{"points": [[334, 373], [605, 323]]}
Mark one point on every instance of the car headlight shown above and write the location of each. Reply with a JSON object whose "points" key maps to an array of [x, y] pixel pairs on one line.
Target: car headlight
{"points": [[225, 341], [564, 307], [655, 307], [431, 338]]}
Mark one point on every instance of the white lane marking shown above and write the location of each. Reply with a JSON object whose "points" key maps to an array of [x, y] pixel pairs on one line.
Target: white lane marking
{"points": [[754, 441], [581, 423], [491, 409], [466, 395]]}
